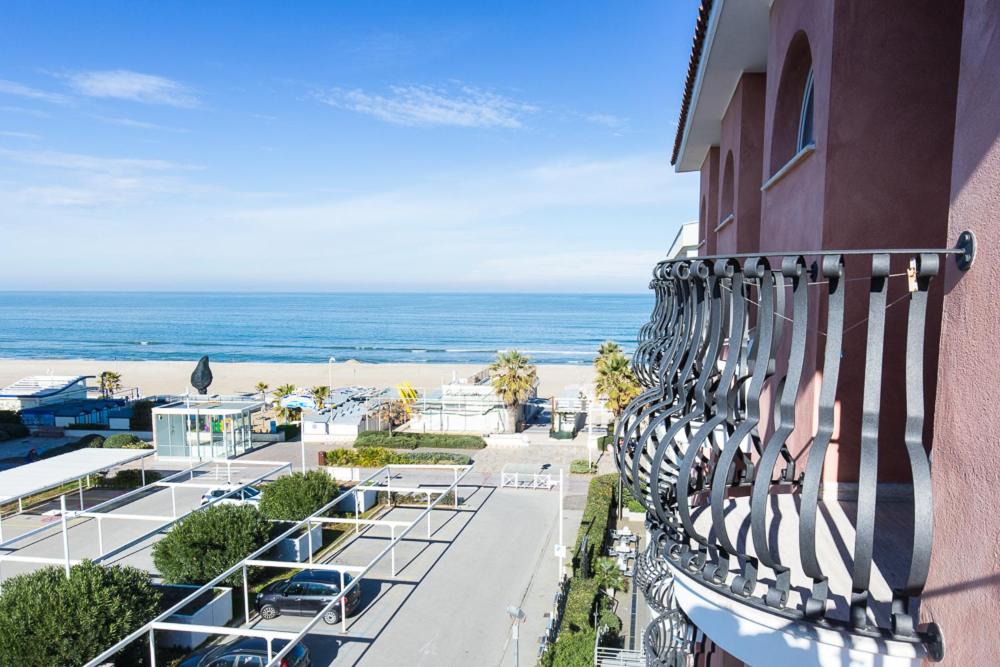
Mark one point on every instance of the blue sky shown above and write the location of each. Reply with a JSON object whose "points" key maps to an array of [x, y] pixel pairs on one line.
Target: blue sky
{"points": [[460, 146]]}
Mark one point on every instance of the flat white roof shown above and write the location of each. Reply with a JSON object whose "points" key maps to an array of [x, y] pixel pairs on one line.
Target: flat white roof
{"points": [[41, 385], [48, 473]]}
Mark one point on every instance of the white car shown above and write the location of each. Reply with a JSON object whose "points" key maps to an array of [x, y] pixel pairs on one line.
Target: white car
{"points": [[248, 495]]}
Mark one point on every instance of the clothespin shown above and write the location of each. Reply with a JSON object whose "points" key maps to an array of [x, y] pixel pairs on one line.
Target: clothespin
{"points": [[911, 275]]}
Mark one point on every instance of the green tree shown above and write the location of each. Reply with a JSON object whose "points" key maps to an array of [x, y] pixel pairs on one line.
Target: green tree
{"points": [[616, 383], [608, 348], [261, 388], [513, 377], [110, 383], [286, 415], [320, 394], [296, 496], [50, 620], [207, 543]]}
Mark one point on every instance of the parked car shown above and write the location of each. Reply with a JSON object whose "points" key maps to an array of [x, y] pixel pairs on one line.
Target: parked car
{"points": [[306, 593], [246, 652], [248, 495]]}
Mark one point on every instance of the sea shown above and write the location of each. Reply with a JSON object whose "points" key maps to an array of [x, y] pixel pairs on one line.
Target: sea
{"points": [[277, 327]]}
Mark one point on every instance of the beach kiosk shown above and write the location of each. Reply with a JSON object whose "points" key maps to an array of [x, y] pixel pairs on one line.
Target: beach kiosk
{"points": [[205, 427]]}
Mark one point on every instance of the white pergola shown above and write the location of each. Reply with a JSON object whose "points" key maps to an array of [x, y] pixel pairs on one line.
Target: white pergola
{"points": [[102, 511], [30, 479], [373, 482]]}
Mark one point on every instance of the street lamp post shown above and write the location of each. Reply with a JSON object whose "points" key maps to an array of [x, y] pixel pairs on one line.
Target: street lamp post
{"points": [[516, 616], [329, 371]]}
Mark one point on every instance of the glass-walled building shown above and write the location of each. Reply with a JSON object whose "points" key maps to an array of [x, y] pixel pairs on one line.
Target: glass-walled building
{"points": [[204, 428]]}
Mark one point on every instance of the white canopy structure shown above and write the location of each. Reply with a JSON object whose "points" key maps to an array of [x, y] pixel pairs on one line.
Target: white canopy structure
{"points": [[39, 476]]}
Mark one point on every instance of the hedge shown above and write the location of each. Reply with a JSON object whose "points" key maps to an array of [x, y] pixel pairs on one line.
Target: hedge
{"points": [[296, 496], [10, 417], [376, 457], [596, 515], [47, 619], [406, 440], [582, 467], [126, 441], [571, 650]]}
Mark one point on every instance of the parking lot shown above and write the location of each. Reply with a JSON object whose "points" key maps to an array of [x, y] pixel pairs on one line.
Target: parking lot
{"points": [[447, 603]]}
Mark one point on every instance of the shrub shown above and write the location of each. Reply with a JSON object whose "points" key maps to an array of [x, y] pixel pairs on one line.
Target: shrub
{"points": [[297, 496], [206, 543], [574, 649], [414, 440], [596, 514], [10, 417], [582, 467], [142, 416], [376, 457], [4, 437], [93, 440], [128, 479], [15, 430], [291, 431], [48, 619], [126, 441], [631, 504]]}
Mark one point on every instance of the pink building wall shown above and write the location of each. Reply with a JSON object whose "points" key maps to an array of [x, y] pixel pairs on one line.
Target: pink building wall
{"points": [[963, 593]]}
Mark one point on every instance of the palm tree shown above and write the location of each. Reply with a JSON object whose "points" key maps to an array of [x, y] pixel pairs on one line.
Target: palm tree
{"points": [[111, 382], [262, 388], [320, 393], [607, 349], [616, 383], [285, 414], [608, 576], [513, 377]]}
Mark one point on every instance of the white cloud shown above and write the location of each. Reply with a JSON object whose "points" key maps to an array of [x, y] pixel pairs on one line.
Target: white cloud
{"points": [[134, 86], [19, 135], [20, 90], [607, 120], [139, 124], [53, 178], [425, 105]]}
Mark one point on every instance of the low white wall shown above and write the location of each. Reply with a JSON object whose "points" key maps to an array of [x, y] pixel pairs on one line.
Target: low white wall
{"points": [[296, 549], [217, 612]]}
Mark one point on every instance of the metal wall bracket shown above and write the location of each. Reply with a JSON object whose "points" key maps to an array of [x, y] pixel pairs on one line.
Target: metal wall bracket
{"points": [[967, 244]]}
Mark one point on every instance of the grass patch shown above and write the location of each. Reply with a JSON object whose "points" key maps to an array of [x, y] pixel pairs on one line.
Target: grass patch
{"points": [[407, 440], [582, 467]]}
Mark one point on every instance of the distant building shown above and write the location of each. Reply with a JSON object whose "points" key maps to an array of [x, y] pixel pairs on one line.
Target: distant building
{"points": [[205, 427], [90, 411], [31, 392], [465, 405], [577, 405], [686, 243], [348, 412]]}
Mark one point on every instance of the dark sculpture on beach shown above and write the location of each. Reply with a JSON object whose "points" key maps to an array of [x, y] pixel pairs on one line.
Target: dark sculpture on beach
{"points": [[202, 376]]}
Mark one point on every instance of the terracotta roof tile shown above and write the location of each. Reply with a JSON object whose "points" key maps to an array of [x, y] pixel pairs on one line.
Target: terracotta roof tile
{"points": [[700, 29]]}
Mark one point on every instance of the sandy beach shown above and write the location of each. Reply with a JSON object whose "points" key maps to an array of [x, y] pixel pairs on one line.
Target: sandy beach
{"points": [[173, 377]]}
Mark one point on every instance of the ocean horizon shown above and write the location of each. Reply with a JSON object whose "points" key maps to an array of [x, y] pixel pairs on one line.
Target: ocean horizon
{"points": [[303, 327]]}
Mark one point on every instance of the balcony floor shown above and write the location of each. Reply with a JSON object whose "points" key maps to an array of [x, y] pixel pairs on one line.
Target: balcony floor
{"points": [[835, 535]]}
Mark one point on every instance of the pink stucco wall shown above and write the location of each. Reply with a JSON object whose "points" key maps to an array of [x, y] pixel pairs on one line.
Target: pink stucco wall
{"points": [[743, 134], [963, 593], [710, 196]]}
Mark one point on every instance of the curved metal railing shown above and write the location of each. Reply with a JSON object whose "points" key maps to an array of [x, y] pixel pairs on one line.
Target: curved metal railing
{"points": [[724, 330]]}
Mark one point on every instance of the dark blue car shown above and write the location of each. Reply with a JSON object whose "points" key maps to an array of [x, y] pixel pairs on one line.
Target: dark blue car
{"points": [[247, 652]]}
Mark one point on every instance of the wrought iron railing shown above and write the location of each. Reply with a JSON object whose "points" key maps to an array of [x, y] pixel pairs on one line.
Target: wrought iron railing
{"points": [[724, 329]]}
